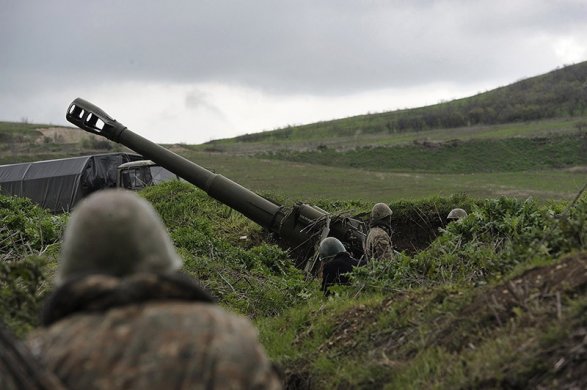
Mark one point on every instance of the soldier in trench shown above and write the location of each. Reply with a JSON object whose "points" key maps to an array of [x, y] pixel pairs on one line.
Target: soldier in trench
{"points": [[336, 263], [378, 244]]}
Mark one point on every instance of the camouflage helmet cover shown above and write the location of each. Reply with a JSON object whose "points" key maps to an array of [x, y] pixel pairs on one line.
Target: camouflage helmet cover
{"points": [[457, 214], [380, 211], [115, 232], [329, 247]]}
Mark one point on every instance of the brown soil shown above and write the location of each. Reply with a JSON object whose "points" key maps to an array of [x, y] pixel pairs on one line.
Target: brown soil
{"points": [[538, 293], [64, 135]]}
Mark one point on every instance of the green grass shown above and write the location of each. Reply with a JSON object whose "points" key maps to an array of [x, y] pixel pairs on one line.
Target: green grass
{"points": [[302, 181], [424, 321], [21, 127], [504, 155], [311, 140]]}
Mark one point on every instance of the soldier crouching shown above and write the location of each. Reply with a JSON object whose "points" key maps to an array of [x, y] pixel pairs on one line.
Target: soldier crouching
{"points": [[123, 317]]}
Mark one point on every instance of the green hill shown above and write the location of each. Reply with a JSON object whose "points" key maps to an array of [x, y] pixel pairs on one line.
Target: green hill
{"points": [[557, 94]]}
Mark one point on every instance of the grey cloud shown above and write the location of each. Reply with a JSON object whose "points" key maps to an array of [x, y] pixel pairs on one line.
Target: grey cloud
{"points": [[314, 47], [198, 100]]}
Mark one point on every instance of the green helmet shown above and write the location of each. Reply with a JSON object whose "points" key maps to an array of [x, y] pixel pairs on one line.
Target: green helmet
{"points": [[330, 247], [115, 232], [456, 214], [380, 212]]}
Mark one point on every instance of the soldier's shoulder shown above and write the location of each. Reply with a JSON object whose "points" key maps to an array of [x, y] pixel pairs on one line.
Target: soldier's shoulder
{"points": [[377, 232]]}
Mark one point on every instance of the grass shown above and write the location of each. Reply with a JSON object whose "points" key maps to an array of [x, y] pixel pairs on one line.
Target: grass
{"points": [[504, 155], [21, 127], [306, 182], [311, 140], [426, 321]]}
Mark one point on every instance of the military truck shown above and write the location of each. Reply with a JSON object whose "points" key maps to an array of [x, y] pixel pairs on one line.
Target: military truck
{"points": [[59, 184]]}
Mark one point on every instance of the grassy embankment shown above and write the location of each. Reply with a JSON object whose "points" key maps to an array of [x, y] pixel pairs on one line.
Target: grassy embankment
{"points": [[496, 301]]}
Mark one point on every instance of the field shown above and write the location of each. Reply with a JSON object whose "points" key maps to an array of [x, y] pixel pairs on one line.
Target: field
{"points": [[308, 181]]}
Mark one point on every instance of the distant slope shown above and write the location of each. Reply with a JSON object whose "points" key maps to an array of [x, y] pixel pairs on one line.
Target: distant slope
{"points": [[560, 93], [22, 142]]}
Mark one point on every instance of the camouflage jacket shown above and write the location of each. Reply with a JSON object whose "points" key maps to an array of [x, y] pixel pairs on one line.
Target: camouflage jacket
{"points": [[147, 331], [378, 244]]}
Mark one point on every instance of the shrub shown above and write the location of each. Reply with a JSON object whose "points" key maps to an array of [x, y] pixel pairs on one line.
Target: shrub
{"points": [[29, 238], [221, 249]]}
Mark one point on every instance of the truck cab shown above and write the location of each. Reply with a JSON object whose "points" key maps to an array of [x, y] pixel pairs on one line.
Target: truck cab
{"points": [[136, 175]]}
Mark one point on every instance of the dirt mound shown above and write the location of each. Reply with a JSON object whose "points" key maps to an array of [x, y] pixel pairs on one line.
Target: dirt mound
{"points": [[64, 135], [541, 315], [577, 169], [536, 294]]}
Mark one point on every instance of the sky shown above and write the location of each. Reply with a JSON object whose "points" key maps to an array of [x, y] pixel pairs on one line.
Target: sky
{"points": [[184, 71]]}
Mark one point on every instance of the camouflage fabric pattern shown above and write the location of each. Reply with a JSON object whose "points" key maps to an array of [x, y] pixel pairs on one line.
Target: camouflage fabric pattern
{"points": [[378, 244], [161, 340]]}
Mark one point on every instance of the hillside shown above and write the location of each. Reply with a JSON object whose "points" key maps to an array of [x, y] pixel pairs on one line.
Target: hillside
{"points": [[22, 142], [557, 94]]}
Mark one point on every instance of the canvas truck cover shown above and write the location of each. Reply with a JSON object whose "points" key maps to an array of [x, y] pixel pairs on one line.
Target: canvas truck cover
{"points": [[59, 184]]}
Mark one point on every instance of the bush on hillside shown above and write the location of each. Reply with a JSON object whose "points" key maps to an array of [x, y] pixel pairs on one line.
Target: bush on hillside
{"points": [[28, 244]]}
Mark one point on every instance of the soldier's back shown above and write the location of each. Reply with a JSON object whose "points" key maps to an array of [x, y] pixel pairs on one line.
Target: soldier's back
{"points": [[378, 244], [157, 344]]}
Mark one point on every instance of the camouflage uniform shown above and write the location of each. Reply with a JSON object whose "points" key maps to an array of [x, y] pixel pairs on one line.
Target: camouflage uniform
{"points": [[19, 370], [378, 244], [147, 330]]}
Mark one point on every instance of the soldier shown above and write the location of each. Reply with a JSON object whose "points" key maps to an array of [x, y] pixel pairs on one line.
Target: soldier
{"points": [[456, 214], [336, 263], [122, 316], [378, 243]]}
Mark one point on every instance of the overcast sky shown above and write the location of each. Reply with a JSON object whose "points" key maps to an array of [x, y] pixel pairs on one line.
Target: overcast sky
{"points": [[193, 71]]}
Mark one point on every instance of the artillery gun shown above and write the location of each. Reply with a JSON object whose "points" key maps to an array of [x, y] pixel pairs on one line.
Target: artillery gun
{"points": [[300, 228]]}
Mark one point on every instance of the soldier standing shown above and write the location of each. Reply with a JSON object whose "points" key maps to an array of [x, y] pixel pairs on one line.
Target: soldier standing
{"points": [[123, 317], [378, 243]]}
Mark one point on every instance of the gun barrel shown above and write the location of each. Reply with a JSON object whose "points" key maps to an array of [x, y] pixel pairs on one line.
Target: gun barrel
{"points": [[300, 227], [94, 120]]}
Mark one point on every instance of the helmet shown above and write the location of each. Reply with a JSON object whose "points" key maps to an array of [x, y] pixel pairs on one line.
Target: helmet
{"points": [[456, 214], [115, 232], [380, 212], [329, 247]]}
